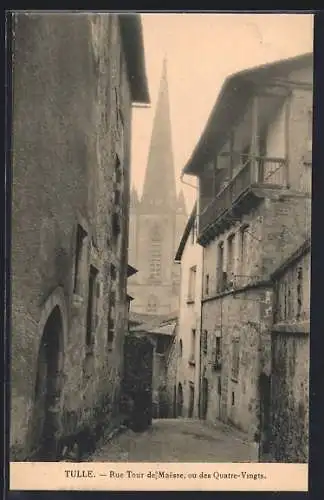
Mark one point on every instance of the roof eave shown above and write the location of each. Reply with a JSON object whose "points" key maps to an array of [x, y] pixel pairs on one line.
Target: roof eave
{"points": [[247, 79], [132, 39]]}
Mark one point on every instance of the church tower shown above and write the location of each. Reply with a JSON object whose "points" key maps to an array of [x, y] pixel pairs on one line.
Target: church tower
{"points": [[157, 221]]}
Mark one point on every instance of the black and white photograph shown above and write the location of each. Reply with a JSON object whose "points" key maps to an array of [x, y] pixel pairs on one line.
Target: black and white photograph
{"points": [[161, 173]]}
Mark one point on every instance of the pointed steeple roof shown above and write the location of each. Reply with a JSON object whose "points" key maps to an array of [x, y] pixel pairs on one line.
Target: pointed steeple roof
{"points": [[133, 198], [181, 204], [159, 184]]}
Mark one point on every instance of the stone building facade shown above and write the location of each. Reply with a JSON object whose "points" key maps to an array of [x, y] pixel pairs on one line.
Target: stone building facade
{"points": [[189, 255], [75, 78], [162, 335], [253, 162], [289, 404], [157, 221]]}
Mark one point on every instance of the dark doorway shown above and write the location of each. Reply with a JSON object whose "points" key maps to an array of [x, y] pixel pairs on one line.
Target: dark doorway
{"points": [[191, 400], [265, 401], [46, 413], [138, 379], [204, 398], [179, 401], [174, 409]]}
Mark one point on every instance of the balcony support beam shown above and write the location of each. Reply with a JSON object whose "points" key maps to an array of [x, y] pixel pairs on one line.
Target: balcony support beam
{"points": [[254, 140]]}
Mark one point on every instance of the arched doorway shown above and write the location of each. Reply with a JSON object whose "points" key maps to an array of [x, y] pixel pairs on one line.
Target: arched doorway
{"points": [[46, 414], [179, 401]]}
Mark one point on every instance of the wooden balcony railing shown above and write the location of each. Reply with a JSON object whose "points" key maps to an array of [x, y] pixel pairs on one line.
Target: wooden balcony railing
{"points": [[256, 171]]}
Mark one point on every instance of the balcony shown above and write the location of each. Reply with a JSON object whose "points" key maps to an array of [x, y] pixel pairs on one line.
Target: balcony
{"points": [[256, 172]]}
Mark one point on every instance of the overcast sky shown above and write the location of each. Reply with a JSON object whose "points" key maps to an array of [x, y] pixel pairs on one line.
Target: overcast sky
{"points": [[202, 50]]}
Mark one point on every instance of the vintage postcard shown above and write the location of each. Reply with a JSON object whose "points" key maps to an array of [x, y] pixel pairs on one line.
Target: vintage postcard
{"points": [[161, 215]]}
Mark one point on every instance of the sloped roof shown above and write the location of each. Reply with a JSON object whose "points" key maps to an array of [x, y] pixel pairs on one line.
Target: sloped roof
{"points": [[165, 329], [163, 325]]}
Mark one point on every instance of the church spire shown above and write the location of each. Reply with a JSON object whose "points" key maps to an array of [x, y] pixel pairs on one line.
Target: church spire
{"points": [[159, 184]]}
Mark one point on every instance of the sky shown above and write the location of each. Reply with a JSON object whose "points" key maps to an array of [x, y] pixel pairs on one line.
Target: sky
{"points": [[201, 51]]}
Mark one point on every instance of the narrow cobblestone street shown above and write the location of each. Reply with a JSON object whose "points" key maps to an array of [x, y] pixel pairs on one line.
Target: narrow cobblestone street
{"points": [[178, 440]]}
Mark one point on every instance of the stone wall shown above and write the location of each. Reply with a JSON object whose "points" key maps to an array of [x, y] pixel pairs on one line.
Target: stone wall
{"points": [[276, 226], [66, 133], [190, 318], [290, 364], [245, 317]]}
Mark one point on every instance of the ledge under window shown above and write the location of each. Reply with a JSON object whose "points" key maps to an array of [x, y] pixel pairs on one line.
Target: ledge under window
{"points": [[192, 362], [292, 327]]}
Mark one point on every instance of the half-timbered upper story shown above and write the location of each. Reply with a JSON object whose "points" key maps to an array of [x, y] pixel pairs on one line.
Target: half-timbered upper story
{"points": [[258, 138]]}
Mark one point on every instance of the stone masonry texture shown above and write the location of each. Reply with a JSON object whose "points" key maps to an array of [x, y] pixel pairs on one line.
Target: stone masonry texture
{"points": [[276, 227], [290, 365], [69, 82]]}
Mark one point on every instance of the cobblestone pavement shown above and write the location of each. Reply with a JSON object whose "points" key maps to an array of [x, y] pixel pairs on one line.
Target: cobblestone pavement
{"points": [[178, 440]]}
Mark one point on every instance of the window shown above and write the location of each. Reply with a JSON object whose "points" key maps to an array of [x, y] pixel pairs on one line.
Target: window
{"points": [[152, 304], [244, 250], [117, 173], [192, 359], [111, 319], [235, 359], [113, 273], [155, 254], [204, 341], [217, 361], [220, 267], [207, 284], [161, 344], [230, 254], [180, 348], [117, 183], [92, 306], [192, 283], [219, 386], [111, 331], [80, 259]]}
